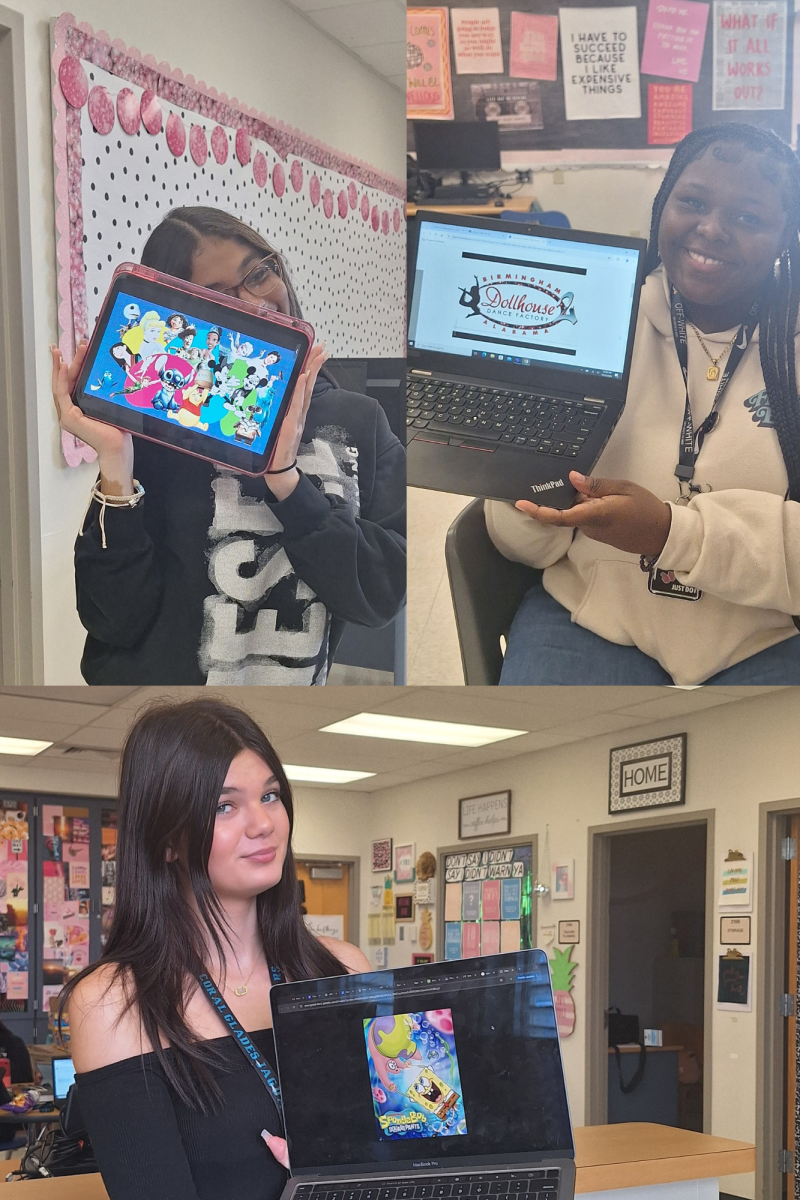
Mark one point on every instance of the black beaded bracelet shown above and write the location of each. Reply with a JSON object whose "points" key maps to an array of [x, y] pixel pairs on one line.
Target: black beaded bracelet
{"points": [[283, 470], [647, 564]]}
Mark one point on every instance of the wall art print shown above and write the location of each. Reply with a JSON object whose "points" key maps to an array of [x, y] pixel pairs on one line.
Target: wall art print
{"points": [[134, 138]]}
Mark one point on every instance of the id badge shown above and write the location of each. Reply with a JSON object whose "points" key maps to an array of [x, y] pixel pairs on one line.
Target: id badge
{"points": [[664, 583]]}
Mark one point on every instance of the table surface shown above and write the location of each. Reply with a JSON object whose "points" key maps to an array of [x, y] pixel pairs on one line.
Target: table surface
{"points": [[32, 1117], [608, 1156], [517, 203]]}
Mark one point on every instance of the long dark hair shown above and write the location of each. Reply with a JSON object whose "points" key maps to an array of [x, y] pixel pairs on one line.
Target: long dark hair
{"points": [[781, 295], [173, 244], [174, 763]]}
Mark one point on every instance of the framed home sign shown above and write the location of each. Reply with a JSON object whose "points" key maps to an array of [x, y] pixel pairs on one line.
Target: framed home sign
{"points": [[648, 775]]}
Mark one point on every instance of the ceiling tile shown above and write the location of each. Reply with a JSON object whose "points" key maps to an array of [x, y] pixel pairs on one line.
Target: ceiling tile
{"points": [[83, 695], [29, 708], [676, 704]]}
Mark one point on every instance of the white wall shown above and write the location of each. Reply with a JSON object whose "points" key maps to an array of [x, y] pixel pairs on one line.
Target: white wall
{"points": [[269, 58], [739, 756]]}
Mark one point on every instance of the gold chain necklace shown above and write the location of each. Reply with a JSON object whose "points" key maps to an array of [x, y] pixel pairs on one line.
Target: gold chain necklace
{"points": [[241, 990], [713, 370]]}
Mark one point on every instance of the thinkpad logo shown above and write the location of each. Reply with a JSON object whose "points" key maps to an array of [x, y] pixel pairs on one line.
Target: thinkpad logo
{"points": [[547, 487]]}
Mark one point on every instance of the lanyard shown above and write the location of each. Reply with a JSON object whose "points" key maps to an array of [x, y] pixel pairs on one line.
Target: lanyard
{"points": [[243, 1039], [691, 441]]}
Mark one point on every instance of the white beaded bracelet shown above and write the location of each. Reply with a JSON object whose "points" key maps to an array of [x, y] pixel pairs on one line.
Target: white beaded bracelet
{"points": [[113, 502]]}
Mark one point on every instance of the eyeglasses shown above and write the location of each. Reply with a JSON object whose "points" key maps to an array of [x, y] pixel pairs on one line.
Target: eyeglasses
{"points": [[259, 281]]}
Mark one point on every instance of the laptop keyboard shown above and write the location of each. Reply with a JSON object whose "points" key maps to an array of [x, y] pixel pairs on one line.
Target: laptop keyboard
{"points": [[545, 424], [536, 1184]]}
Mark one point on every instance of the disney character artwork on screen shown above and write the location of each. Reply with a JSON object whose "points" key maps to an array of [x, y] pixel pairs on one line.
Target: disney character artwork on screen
{"points": [[238, 388], [414, 1076], [177, 364]]}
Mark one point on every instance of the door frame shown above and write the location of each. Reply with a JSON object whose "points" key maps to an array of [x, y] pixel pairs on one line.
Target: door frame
{"points": [[598, 923], [21, 636], [770, 984], [353, 861]]}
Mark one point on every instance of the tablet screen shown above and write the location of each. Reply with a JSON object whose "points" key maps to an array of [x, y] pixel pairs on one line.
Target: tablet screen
{"points": [[190, 372]]}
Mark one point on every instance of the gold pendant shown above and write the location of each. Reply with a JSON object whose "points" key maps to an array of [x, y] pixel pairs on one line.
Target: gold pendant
{"points": [[240, 991], [712, 372]]}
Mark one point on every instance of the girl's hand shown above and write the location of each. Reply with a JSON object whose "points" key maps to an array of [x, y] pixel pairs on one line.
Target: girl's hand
{"points": [[277, 1147], [614, 511], [114, 446], [291, 432]]}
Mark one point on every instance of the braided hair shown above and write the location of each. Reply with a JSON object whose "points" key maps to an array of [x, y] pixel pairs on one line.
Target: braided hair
{"points": [[781, 295]]}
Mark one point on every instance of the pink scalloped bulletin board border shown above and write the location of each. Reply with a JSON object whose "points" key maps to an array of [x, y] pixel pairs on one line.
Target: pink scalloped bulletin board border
{"points": [[82, 42]]}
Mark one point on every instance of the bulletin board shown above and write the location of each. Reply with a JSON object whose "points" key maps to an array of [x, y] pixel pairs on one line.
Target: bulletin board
{"points": [[486, 899], [576, 137], [134, 137]]}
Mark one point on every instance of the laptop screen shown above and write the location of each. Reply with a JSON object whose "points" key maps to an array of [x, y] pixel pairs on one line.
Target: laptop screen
{"points": [[63, 1077], [451, 1063], [523, 298]]}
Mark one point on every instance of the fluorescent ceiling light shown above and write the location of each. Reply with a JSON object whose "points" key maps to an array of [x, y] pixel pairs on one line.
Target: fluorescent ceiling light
{"points": [[412, 729], [323, 775], [22, 746]]}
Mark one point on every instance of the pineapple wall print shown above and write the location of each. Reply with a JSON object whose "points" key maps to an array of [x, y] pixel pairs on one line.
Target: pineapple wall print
{"points": [[561, 971]]}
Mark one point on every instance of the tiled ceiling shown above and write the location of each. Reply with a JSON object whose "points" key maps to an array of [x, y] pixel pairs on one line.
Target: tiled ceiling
{"points": [[373, 30], [88, 725]]}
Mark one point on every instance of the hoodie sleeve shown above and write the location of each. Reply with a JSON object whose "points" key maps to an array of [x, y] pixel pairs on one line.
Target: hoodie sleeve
{"points": [[118, 589], [522, 539], [742, 546], [355, 564]]}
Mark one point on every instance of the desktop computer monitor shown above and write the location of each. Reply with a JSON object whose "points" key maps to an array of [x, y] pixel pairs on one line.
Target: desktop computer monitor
{"points": [[457, 145], [63, 1077]]}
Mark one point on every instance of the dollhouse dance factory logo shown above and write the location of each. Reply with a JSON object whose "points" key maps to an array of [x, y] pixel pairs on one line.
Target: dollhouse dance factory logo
{"points": [[516, 302]]}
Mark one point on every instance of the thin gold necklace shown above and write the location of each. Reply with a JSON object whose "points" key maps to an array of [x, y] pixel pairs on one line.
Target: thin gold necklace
{"points": [[713, 370], [241, 990]]}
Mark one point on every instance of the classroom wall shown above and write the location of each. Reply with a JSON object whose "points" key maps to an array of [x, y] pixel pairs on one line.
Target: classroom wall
{"points": [[739, 756], [261, 52]]}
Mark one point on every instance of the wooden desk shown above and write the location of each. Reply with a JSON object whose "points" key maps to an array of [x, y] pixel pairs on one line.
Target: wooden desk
{"points": [[609, 1157], [517, 203]]}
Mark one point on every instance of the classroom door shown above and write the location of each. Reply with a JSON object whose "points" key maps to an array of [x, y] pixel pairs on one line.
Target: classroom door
{"points": [[790, 987], [656, 970], [325, 897]]}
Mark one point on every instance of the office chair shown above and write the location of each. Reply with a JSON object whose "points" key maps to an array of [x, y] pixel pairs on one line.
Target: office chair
{"points": [[487, 590]]}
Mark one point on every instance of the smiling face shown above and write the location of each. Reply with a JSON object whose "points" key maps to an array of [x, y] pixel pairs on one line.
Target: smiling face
{"points": [[251, 831], [722, 228]]}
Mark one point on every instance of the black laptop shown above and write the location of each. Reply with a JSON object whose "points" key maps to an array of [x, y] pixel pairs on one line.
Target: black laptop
{"points": [[425, 1083], [519, 351]]}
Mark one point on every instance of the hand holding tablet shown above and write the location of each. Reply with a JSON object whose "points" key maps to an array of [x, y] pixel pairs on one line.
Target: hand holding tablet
{"points": [[188, 368]]}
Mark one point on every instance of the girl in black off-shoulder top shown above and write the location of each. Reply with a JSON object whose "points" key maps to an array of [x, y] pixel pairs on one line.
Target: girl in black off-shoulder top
{"points": [[206, 882], [149, 1143]]}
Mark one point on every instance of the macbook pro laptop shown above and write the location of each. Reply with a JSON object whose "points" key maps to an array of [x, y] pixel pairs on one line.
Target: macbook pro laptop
{"points": [[425, 1083], [519, 350]]}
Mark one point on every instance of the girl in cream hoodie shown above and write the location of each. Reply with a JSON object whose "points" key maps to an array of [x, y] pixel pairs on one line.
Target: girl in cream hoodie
{"points": [[653, 579]]}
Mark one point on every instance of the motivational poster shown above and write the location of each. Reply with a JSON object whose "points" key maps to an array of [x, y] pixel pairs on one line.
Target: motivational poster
{"points": [[471, 900], [673, 39], [534, 46], [490, 937], [511, 899], [512, 105], [476, 41], [491, 900], [600, 62], [452, 940], [749, 54], [429, 90], [470, 939], [510, 936], [669, 113]]}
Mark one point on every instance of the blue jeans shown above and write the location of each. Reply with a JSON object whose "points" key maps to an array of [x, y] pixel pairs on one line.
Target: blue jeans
{"points": [[545, 647]]}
